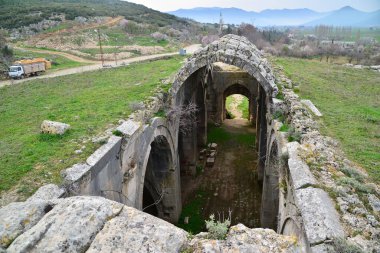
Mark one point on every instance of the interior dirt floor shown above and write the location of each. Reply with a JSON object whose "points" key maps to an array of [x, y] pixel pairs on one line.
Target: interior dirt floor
{"points": [[231, 184]]}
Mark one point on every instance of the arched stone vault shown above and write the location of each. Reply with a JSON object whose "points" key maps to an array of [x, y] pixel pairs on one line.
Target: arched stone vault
{"points": [[233, 50], [117, 170]]}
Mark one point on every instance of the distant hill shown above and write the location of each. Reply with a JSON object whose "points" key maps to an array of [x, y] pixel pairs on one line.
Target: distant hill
{"points": [[346, 16], [18, 13]]}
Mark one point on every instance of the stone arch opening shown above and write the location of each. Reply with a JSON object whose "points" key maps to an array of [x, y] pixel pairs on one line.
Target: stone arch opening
{"points": [[160, 181], [204, 81], [192, 132], [238, 89]]}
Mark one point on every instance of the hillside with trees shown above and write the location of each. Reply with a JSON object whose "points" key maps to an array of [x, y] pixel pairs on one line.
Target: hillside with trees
{"points": [[18, 13]]}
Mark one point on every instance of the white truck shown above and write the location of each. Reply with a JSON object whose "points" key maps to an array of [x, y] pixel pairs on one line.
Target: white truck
{"points": [[25, 68]]}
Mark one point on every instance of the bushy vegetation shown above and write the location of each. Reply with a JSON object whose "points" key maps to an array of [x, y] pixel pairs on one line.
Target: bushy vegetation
{"points": [[348, 99], [6, 54], [88, 102], [217, 229], [18, 13], [324, 42], [342, 246]]}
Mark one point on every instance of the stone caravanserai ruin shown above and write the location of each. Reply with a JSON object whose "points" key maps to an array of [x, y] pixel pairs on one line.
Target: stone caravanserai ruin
{"points": [[99, 206]]}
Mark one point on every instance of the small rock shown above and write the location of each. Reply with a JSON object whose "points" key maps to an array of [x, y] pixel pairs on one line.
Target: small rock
{"points": [[210, 162], [212, 154], [53, 127], [374, 202], [212, 146], [47, 192], [186, 220], [78, 151]]}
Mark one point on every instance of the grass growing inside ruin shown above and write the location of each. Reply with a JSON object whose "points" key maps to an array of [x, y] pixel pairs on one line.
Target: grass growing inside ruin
{"points": [[349, 101], [243, 107], [220, 135], [193, 210], [89, 102]]}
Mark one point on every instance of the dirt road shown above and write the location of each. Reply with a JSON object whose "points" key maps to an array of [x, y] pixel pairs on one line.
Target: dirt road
{"points": [[191, 49], [67, 55]]}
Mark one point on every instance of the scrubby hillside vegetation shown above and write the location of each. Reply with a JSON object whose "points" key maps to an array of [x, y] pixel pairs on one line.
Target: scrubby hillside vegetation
{"points": [[18, 13]]}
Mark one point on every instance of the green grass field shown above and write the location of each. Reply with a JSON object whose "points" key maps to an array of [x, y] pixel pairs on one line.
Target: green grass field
{"points": [[58, 62], [349, 101], [243, 106], [89, 102], [118, 37]]}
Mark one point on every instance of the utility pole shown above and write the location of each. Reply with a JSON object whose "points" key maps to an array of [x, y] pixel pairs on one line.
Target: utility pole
{"points": [[116, 50], [221, 24], [100, 47]]}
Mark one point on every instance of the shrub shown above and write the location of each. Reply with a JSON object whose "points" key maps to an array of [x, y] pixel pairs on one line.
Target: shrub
{"points": [[284, 128], [217, 229], [294, 135], [279, 115], [360, 187], [353, 173], [342, 246], [117, 133]]}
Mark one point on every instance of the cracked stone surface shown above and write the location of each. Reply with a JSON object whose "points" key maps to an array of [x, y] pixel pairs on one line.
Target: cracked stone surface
{"points": [[69, 227], [320, 218], [18, 217], [135, 231]]}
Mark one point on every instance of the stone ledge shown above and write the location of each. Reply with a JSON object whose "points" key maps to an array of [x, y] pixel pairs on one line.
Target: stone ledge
{"points": [[300, 173], [128, 128], [74, 173], [47, 192], [320, 219], [102, 153], [312, 107]]}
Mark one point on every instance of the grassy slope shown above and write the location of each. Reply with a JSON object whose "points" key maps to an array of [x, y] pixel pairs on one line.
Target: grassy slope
{"points": [[88, 102], [58, 62], [349, 101]]}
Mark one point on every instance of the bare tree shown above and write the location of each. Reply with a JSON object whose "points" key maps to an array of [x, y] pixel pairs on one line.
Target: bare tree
{"points": [[186, 114]]}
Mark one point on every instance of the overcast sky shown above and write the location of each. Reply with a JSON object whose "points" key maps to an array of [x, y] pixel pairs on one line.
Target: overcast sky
{"points": [[259, 5]]}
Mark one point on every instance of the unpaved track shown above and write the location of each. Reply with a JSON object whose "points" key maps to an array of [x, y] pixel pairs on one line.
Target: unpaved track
{"points": [[191, 49], [67, 55]]}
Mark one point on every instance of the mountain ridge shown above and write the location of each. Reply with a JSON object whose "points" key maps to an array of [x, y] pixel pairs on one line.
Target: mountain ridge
{"points": [[282, 17]]}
